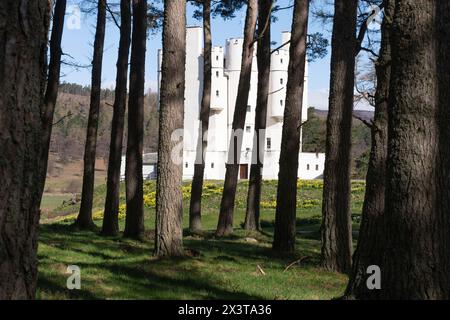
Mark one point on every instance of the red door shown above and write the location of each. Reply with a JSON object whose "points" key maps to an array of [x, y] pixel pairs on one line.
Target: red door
{"points": [[243, 171]]}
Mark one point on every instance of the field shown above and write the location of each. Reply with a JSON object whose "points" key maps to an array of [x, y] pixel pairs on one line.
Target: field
{"points": [[241, 266]]}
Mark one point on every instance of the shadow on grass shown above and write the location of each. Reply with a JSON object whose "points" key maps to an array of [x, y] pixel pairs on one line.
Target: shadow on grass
{"points": [[117, 268]]}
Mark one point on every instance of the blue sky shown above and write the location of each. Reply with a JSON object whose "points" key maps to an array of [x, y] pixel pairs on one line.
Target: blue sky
{"points": [[77, 42]]}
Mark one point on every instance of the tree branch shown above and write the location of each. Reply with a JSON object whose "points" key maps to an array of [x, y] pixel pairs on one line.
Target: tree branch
{"points": [[69, 114], [367, 123], [280, 47], [112, 14]]}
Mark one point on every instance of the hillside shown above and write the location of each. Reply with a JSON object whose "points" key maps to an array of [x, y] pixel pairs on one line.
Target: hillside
{"points": [[65, 167], [71, 115], [314, 138]]}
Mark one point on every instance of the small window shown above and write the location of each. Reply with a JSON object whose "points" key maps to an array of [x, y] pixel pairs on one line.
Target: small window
{"points": [[247, 149], [281, 102], [281, 81], [317, 167], [186, 165], [248, 129], [217, 74], [217, 58], [217, 93], [281, 60], [269, 143], [249, 108], [307, 167], [212, 165]]}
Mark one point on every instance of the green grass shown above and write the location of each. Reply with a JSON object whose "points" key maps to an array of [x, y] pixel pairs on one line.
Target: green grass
{"points": [[115, 268], [51, 201]]}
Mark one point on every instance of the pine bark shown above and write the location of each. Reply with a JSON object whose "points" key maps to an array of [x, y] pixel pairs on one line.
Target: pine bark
{"points": [[368, 252], [169, 196], [415, 244], [286, 211], [225, 223], [263, 58], [134, 222], [23, 48], [336, 224], [111, 214], [51, 93], [84, 220], [195, 224]]}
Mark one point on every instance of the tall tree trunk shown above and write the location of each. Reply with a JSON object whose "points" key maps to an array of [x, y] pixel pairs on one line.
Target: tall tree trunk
{"points": [[225, 224], [169, 197], [134, 222], [371, 232], [415, 243], [23, 48], [195, 224], [51, 93], [111, 216], [336, 224], [263, 58], [84, 219], [286, 211]]}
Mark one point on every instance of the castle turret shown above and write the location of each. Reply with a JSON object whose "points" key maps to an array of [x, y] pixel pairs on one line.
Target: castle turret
{"points": [[218, 80], [278, 79]]}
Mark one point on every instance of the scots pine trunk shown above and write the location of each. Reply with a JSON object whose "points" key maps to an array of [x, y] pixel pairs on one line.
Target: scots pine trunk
{"points": [[336, 223], [263, 58], [225, 224], [286, 211], [195, 207], [111, 216], [368, 252], [415, 243], [51, 93], [23, 47], [134, 221], [169, 197], [84, 219]]}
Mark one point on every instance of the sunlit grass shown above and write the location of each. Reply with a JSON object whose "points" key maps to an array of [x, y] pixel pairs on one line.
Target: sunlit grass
{"points": [[115, 268]]}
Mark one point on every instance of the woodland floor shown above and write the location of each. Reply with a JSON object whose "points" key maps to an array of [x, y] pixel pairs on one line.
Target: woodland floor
{"points": [[230, 268]]}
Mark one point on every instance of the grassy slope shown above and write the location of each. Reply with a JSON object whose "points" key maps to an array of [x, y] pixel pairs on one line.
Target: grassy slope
{"points": [[216, 268]]}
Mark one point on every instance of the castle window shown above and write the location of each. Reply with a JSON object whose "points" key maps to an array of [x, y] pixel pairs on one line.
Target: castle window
{"points": [[281, 60], [217, 74], [217, 58], [281, 102], [281, 81], [269, 143], [248, 129], [317, 167], [212, 165], [249, 108], [186, 165], [307, 167], [217, 93]]}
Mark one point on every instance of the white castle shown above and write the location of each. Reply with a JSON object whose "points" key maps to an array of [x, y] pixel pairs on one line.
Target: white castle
{"points": [[226, 65]]}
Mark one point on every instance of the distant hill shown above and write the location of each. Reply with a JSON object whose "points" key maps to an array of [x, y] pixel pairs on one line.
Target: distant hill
{"points": [[314, 138], [72, 110], [71, 116], [362, 114]]}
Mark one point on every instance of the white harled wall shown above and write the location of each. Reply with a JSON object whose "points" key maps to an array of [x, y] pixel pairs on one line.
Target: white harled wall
{"points": [[226, 65]]}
